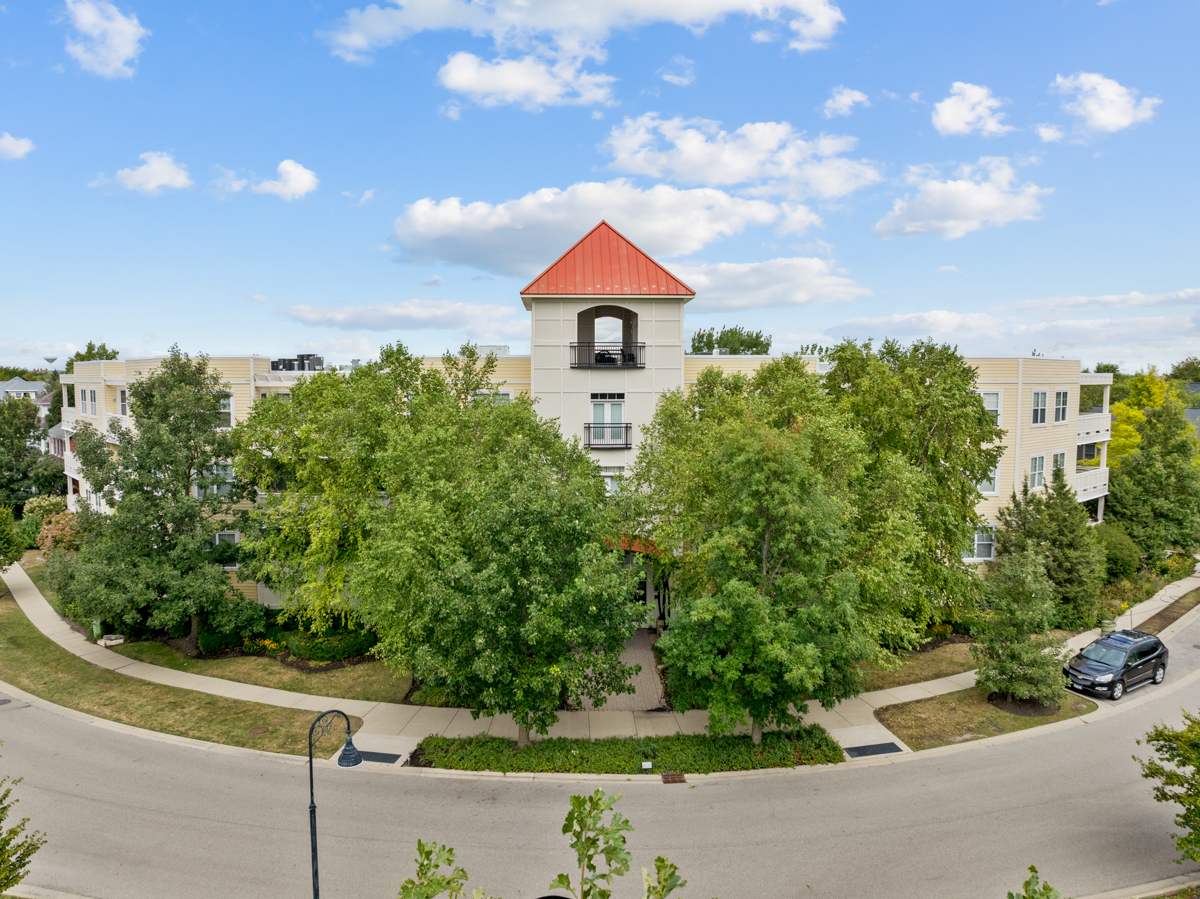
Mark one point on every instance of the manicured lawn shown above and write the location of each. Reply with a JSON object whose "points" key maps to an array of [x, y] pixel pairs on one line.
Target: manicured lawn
{"points": [[369, 681], [682, 753], [945, 660], [963, 716], [36, 664]]}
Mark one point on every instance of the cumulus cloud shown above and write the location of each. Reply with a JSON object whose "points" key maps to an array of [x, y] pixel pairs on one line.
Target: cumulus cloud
{"points": [[105, 41], [970, 108], [842, 101], [542, 45], [1102, 104], [529, 81], [772, 156], [983, 194], [14, 147], [1049, 134], [1188, 297], [228, 182], [949, 268], [679, 72], [294, 181], [795, 281], [414, 315], [157, 171], [1131, 341], [513, 237]]}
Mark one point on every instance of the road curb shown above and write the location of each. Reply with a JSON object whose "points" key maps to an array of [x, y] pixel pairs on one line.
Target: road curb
{"points": [[1150, 890], [32, 892]]}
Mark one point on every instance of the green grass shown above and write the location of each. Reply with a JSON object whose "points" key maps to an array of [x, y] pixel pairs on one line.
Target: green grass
{"points": [[369, 681], [682, 753], [918, 667], [32, 662], [963, 716]]}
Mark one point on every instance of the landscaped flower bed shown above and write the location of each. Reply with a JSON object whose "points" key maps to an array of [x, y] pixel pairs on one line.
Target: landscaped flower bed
{"points": [[682, 753]]}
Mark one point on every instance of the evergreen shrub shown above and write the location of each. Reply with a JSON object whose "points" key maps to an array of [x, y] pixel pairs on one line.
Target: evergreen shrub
{"points": [[330, 647], [1123, 559]]}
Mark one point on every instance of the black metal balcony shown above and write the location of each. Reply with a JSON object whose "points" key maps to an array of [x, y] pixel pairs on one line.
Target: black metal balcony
{"points": [[608, 355], [608, 436]]}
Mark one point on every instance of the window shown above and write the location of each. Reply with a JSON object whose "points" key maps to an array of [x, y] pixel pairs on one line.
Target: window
{"points": [[225, 419], [1037, 471], [93, 399], [1060, 405], [988, 484], [124, 400], [1058, 462], [226, 554], [608, 409], [262, 394], [980, 548], [612, 475], [991, 402], [1039, 407]]}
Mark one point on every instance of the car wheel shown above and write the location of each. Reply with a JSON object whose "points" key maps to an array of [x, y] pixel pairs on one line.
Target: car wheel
{"points": [[1118, 690], [1159, 673]]}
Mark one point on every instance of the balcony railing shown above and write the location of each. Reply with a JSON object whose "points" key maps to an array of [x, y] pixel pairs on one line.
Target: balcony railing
{"points": [[1090, 483], [608, 355], [1094, 427], [608, 436]]}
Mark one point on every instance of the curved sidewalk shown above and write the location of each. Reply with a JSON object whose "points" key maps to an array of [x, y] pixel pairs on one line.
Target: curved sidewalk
{"points": [[395, 727]]}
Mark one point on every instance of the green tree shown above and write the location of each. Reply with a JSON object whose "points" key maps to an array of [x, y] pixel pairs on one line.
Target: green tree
{"points": [[16, 846], [1056, 525], [738, 340], [12, 544], [1187, 370], [1155, 494], [1017, 658], [590, 838], [152, 563], [1035, 888], [1176, 767], [1122, 558], [18, 458]]}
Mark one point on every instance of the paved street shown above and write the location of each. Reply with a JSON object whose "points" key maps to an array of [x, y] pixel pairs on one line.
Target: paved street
{"points": [[130, 818]]}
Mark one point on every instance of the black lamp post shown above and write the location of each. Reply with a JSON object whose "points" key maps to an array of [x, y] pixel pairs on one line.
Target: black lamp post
{"points": [[348, 758]]}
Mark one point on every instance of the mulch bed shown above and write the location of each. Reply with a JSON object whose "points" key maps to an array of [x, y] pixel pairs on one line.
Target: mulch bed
{"points": [[1022, 707], [1172, 613], [941, 641]]}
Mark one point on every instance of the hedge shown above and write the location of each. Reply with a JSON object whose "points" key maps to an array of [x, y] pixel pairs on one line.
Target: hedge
{"points": [[330, 647]]}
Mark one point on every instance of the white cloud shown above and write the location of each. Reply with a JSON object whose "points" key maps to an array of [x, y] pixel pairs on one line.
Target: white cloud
{"points": [[949, 268], [1188, 297], [1103, 104], [763, 36], [228, 183], [259, 298], [14, 147], [1049, 133], [294, 181], [795, 281], [983, 194], [970, 107], [680, 71], [1130, 341], [529, 81], [842, 100], [771, 155], [516, 236], [414, 315], [106, 41], [366, 196], [157, 171]]}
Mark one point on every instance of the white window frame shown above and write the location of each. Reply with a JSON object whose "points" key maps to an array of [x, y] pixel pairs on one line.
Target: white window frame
{"points": [[228, 401], [1064, 409], [92, 396], [237, 538], [1061, 454], [1039, 410], [1037, 471], [976, 543], [991, 486], [612, 475], [123, 399], [999, 394]]}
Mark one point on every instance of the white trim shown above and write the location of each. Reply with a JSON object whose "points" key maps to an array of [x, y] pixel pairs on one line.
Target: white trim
{"points": [[1066, 419], [1041, 471]]}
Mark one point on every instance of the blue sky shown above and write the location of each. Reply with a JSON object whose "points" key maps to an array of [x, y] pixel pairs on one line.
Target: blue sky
{"points": [[283, 177]]}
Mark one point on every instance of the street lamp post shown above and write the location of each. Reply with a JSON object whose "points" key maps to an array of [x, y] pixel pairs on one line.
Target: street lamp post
{"points": [[348, 758]]}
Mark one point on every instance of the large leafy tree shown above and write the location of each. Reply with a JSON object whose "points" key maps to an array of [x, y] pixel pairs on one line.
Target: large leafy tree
{"points": [[152, 564], [20, 472], [1155, 493], [464, 530], [738, 340], [1055, 525]]}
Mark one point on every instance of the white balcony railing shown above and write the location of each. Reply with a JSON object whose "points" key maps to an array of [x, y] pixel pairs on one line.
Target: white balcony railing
{"points": [[1090, 483], [1093, 427]]}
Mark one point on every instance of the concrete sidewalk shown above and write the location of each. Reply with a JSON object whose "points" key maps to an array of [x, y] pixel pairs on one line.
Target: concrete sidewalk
{"points": [[394, 727]]}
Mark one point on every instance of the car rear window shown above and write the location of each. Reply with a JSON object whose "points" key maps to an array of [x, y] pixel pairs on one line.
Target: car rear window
{"points": [[1105, 655]]}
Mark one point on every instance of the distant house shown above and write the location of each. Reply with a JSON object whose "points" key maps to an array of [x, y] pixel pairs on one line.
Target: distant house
{"points": [[1193, 415], [19, 388]]}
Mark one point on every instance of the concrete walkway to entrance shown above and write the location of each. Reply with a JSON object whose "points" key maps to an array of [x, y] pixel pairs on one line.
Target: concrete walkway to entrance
{"points": [[394, 727]]}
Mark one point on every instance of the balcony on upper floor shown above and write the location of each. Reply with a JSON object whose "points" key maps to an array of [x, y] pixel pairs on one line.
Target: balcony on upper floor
{"points": [[1090, 482], [608, 355], [1093, 427], [611, 436]]}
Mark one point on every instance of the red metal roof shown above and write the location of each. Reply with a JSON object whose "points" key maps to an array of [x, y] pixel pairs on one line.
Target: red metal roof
{"points": [[606, 263]]}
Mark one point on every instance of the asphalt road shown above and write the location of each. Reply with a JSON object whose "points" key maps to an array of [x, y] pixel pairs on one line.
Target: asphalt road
{"points": [[131, 818]]}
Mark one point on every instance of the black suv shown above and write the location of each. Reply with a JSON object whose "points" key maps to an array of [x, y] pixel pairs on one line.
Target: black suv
{"points": [[1123, 660]]}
